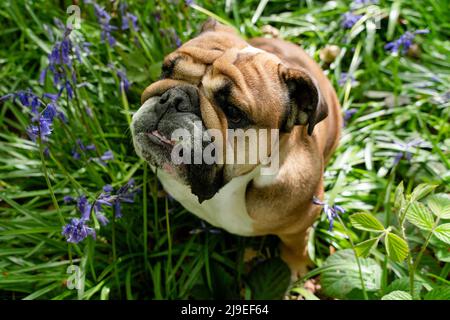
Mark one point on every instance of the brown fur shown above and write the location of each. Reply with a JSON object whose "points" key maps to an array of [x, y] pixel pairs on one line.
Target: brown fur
{"points": [[284, 207]]}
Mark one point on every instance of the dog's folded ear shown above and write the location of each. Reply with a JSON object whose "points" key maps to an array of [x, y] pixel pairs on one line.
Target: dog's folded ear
{"points": [[305, 106], [213, 25]]}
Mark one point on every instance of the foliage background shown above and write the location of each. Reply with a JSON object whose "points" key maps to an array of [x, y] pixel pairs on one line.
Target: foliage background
{"points": [[157, 250]]}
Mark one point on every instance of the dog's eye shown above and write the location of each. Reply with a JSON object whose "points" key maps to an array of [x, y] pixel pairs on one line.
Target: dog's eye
{"points": [[234, 114]]}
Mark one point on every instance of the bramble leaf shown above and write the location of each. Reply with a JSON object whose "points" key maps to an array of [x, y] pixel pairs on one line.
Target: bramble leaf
{"points": [[421, 191], [396, 247], [397, 295], [442, 232], [363, 248], [440, 205], [419, 215], [367, 222]]}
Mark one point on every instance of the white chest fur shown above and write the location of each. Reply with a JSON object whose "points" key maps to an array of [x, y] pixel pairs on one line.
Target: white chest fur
{"points": [[226, 210]]}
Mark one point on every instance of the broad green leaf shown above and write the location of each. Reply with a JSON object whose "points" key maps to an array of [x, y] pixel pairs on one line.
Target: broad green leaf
{"points": [[363, 249], [396, 247], [402, 284], [439, 293], [399, 198], [269, 279], [421, 191], [397, 295], [419, 215], [442, 232], [341, 274], [367, 222], [440, 205]]}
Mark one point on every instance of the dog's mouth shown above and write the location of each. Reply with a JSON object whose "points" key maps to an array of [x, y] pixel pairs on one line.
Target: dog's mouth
{"points": [[155, 129], [159, 138]]}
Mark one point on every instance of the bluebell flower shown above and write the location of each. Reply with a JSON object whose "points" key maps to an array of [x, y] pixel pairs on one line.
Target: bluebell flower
{"points": [[102, 219], [332, 212], [124, 83], [362, 3], [7, 97], [104, 19], [348, 114], [108, 155], [204, 229], [189, 2], [68, 199], [349, 19], [80, 145], [77, 230], [59, 61], [50, 111], [406, 149], [178, 42], [75, 154], [84, 207], [404, 42], [43, 129], [128, 18], [346, 77]]}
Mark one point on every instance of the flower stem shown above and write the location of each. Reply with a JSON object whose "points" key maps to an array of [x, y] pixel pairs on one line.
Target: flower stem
{"points": [[414, 265], [47, 180], [363, 286]]}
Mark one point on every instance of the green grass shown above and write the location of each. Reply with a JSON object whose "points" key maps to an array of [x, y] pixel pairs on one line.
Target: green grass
{"points": [[150, 252]]}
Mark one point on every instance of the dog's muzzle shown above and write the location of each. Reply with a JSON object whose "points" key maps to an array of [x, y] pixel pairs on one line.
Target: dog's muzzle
{"points": [[152, 128]]}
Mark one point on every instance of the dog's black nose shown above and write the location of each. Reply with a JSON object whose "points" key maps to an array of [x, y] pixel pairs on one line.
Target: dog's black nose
{"points": [[178, 99]]}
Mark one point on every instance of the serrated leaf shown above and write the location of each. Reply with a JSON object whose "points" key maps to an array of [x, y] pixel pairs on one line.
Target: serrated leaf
{"points": [[439, 293], [341, 275], [421, 191], [399, 198], [420, 216], [440, 205], [442, 232], [396, 247], [363, 249], [397, 295], [402, 284], [367, 222], [269, 279]]}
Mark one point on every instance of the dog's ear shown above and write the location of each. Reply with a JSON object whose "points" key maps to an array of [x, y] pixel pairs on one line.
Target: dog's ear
{"points": [[305, 106], [213, 25]]}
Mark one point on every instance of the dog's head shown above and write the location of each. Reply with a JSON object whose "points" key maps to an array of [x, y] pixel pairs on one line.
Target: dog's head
{"points": [[218, 81]]}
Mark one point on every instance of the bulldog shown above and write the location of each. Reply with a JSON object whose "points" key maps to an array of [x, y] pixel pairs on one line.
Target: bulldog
{"points": [[219, 81]]}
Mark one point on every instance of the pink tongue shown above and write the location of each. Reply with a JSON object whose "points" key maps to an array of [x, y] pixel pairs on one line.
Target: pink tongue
{"points": [[168, 168]]}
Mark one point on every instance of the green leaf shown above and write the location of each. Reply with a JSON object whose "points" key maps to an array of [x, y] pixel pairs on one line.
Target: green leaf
{"points": [[269, 279], [442, 232], [399, 198], [367, 222], [397, 295], [420, 216], [439, 293], [363, 249], [403, 284], [396, 247], [341, 275], [421, 191], [440, 205], [305, 293]]}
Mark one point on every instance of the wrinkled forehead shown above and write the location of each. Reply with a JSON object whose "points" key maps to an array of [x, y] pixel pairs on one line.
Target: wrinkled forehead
{"points": [[213, 58]]}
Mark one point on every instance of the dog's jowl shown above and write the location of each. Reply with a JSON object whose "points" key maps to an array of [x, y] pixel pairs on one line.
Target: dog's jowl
{"points": [[208, 127]]}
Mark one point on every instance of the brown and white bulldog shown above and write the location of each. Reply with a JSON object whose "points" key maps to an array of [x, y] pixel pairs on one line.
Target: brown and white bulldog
{"points": [[220, 81]]}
